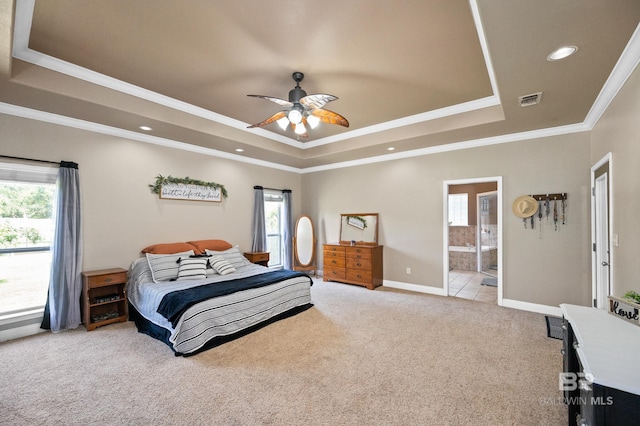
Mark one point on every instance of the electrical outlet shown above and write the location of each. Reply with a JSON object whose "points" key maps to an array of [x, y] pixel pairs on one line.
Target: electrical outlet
{"points": [[408, 271]]}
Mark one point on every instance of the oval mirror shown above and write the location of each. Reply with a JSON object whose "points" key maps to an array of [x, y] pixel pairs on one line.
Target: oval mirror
{"points": [[304, 242]]}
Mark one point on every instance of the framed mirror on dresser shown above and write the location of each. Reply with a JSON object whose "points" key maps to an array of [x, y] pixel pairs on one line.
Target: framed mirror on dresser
{"points": [[357, 257]]}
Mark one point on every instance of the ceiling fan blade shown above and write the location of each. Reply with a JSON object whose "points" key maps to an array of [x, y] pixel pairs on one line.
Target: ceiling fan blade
{"points": [[275, 117], [330, 117], [317, 101], [278, 101]]}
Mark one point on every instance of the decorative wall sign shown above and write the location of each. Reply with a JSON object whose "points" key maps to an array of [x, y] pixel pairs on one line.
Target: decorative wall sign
{"points": [[180, 191], [188, 189]]}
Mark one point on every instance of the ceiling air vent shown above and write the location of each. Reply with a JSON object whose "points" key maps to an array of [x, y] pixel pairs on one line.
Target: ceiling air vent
{"points": [[531, 99]]}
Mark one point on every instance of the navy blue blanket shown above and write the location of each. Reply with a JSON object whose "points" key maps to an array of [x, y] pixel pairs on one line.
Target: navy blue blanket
{"points": [[174, 304]]}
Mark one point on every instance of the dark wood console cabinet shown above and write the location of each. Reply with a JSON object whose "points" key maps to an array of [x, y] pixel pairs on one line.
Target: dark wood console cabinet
{"points": [[601, 377]]}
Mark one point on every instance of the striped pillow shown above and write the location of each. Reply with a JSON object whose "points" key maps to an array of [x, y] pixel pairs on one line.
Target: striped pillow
{"points": [[221, 265], [232, 255], [192, 268], [164, 267]]}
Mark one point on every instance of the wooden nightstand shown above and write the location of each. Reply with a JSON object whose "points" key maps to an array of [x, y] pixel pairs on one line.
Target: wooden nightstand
{"points": [[259, 257], [104, 297]]}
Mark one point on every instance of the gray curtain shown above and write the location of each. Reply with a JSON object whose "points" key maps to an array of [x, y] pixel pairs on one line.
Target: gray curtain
{"points": [[288, 227], [258, 227], [62, 310]]}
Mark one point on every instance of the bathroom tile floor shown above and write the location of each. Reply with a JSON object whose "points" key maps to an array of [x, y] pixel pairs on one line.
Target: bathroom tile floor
{"points": [[466, 285]]}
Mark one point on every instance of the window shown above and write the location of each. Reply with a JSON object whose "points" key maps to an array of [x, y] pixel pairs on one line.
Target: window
{"points": [[26, 234], [274, 224], [458, 210]]}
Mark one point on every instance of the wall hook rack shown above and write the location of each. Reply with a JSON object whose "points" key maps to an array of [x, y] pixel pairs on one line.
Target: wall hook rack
{"points": [[558, 196]]}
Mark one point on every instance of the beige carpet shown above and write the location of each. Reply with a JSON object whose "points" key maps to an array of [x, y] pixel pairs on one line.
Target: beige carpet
{"points": [[359, 357]]}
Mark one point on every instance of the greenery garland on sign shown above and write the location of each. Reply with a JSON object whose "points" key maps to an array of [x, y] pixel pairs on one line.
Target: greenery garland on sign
{"points": [[161, 180]]}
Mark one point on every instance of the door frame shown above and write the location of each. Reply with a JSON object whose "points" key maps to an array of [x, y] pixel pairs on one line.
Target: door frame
{"points": [[607, 159], [445, 227]]}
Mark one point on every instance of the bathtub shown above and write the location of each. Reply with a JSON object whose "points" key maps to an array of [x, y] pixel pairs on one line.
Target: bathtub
{"points": [[465, 258]]}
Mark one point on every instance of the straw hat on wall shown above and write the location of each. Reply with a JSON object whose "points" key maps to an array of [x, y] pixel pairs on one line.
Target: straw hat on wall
{"points": [[525, 206]]}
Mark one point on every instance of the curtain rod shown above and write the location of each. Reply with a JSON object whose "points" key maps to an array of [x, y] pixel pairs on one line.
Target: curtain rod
{"points": [[29, 159], [271, 189]]}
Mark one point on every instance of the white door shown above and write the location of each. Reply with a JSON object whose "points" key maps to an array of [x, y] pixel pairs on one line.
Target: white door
{"points": [[601, 249]]}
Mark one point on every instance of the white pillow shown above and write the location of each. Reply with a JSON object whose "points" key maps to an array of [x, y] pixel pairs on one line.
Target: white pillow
{"points": [[232, 255], [164, 267], [192, 268], [221, 265]]}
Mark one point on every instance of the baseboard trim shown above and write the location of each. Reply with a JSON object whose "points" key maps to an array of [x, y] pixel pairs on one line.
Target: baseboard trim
{"points": [[532, 307], [414, 287]]}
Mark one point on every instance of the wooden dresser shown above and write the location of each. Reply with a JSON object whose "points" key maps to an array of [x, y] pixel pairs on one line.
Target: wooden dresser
{"points": [[359, 264]]}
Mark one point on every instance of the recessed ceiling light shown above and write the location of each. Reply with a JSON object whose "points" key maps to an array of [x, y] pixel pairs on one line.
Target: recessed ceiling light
{"points": [[145, 128], [390, 148], [562, 53], [239, 150]]}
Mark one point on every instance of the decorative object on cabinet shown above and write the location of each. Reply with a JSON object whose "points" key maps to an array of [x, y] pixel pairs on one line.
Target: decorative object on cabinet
{"points": [[188, 189], [353, 264], [104, 298], [258, 257], [625, 308], [359, 228], [304, 246]]}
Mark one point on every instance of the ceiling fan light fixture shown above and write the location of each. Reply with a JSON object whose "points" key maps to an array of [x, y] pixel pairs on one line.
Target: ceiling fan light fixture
{"points": [[313, 121], [299, 129], [295, 116], [283, 123], [302, 110]]}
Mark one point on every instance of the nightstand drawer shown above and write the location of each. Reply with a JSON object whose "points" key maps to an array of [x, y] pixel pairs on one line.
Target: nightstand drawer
{"points": [[107, 277], [258, 257]]}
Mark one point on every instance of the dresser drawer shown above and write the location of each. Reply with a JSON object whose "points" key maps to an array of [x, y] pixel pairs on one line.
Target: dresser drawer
{"points": [[334, 273], [330, 253], [107, 279], [359, 275], [358, 252], [334, 262], [353, 263], [334, 249]]}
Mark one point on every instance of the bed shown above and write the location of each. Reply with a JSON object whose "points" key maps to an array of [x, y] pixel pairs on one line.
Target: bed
{"points": [[194, 299]]}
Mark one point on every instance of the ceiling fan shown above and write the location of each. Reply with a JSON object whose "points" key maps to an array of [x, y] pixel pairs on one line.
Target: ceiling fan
{"points": [[302, 110]]}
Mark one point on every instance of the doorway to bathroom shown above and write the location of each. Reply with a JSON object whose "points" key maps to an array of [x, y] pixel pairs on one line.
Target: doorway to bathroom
{"points": [[472, 239]]}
